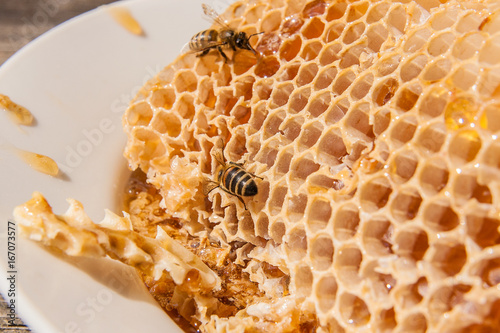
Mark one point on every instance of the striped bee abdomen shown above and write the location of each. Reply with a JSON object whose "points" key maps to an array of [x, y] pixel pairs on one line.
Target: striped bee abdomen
{"points": [[203, 40], [239, 182]]}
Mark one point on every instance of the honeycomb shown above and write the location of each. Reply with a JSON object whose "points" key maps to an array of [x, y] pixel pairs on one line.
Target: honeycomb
{"points": [[374, 125]]}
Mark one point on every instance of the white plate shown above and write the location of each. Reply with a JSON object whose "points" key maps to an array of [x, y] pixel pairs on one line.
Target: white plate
{"points": [[77, 80]]}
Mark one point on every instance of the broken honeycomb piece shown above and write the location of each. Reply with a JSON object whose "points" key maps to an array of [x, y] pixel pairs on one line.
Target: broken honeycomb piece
{"points": [[374, 127]]}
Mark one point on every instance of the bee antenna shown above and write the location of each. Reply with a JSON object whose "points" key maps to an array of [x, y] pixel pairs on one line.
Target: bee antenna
{"points": [[255, 34]]}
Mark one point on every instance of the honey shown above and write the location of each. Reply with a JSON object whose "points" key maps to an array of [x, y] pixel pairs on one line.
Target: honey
{"points": [[124, 17], [39, 162], [19, 114]]}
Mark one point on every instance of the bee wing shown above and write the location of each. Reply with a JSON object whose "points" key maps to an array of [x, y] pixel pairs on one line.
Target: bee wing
{"points": [[209, 186], [218, 154], [213, 15]]}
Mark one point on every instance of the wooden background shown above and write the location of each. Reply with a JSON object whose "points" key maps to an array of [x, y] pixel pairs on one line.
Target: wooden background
{"points": [[21, 21]]}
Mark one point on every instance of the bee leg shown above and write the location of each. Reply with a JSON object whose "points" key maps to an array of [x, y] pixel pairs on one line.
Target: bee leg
{"points": [[204, 52], [241, 200], [226, 59]]}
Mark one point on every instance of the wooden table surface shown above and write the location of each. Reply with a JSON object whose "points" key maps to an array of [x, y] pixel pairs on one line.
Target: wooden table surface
{"points": [[21, 21]]}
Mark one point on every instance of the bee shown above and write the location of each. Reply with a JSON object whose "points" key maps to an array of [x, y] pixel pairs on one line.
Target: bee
{"points": [[226, 37], [232, 178]]}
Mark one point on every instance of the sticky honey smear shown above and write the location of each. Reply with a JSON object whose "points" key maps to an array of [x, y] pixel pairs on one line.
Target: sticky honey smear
{"points": [[19, 114], [39, 162], [124, 17]]}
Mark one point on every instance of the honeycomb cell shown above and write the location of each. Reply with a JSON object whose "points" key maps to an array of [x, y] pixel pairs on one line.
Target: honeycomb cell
{"points": [[296, 206], [343, 81], [271, 21], [281, 94], [336, 11], [330, 54], [434, 176], [299, 99], [466, 187], [437, 69], [377, 236], [418, 40], [490, 51], [445, 299], [346, 222], [347, 263], [314, 28], [412, 67], [465, 76], [277, 198], [321, 252], [353, 32], [326, 292], [331, 147], [412, 243], [319, 214], [153, 147], [311, 49], [272, 123], [490, 118], [302, 168], [403, 130], [277, 231], [163, 98], [491, 155], [464, 147], [306, 74], [397, 18], [376, 34], [440, 43], [296, 244], [291, 25], [303, 281], [267, 67], [168, 123], [432, 137], [351, 56], [482, 229], [139, 114], [382, 119], [488, 269], [314, 8], [333, 31], [388, 64], [468, 45], [267, 156], [403, 166], [375, 194], [185, 81], [292, 127], [386, 320], [357, 122], [337, 111], [290, 72], [357, 10], [406, 204], [319, 104], [377, 12], [354, 310], [410, 295], [415, 323], [448, 256], [283, 160], [362, 86], [384, 91], [444, 19], [434, 102], [440, 216], [325, 77], [471, 21]]}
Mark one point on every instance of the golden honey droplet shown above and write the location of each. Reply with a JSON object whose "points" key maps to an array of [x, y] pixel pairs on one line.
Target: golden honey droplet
{"points": [[125, 19], [39, 162], [460, 112], [19, 114]]}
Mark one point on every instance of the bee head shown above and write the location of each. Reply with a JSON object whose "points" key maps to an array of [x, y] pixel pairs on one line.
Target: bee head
{"points": [[243, 42]]}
